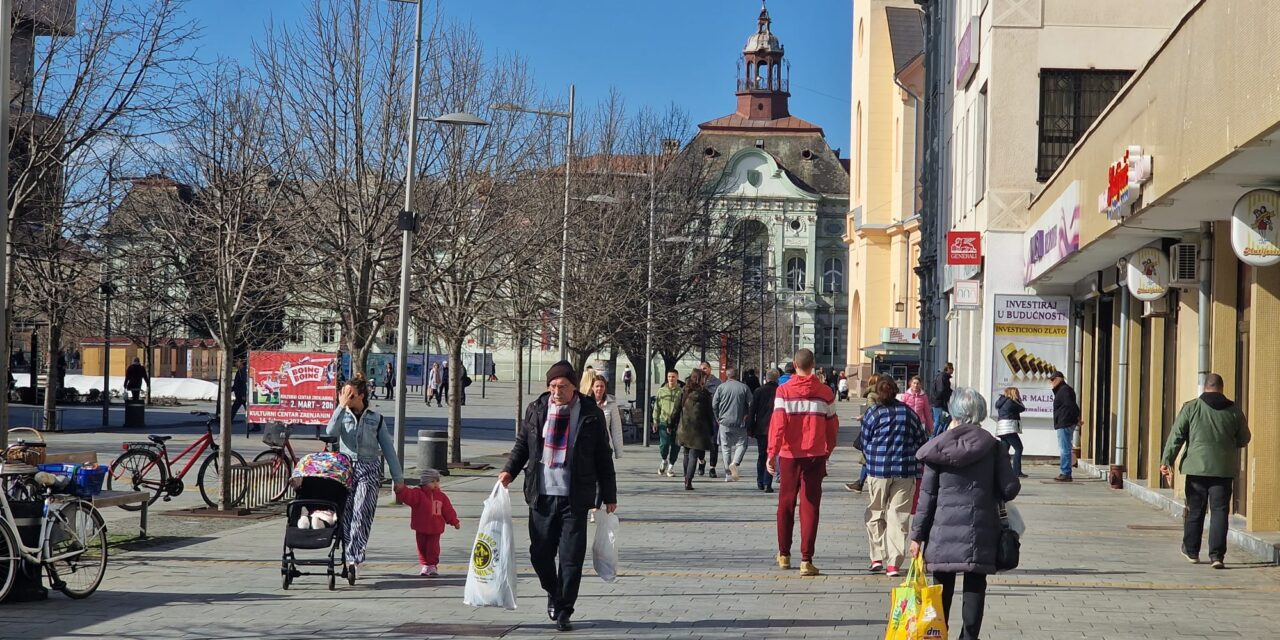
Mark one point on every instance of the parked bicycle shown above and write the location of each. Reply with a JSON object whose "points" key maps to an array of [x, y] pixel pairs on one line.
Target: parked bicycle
{"points": [[283, 459], [146, 466], [72, 547]]}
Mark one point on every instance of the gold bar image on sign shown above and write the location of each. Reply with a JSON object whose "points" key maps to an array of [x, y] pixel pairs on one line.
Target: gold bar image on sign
{"points": [[1011, 358]]}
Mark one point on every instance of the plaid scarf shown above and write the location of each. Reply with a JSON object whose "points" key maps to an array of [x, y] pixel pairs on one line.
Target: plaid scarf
{"points": [[555, 435]]}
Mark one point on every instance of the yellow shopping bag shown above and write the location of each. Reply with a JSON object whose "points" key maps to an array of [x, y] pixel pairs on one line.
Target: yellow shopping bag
{"points": [[915, 611]]}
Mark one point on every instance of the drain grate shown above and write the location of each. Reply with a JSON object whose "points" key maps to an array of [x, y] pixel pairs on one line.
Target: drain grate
{"points": [[421, 630]]}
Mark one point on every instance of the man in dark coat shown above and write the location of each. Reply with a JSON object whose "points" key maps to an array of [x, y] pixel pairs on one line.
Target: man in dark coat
{"points": [[563, 449], [940, 397], [1066, 417], [134, 375], [761, 414]]}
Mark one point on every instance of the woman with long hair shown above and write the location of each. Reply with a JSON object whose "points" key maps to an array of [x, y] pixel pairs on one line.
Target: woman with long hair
{"points": [[694, 416], [1009, 408], [957, 524], [364, 437]]}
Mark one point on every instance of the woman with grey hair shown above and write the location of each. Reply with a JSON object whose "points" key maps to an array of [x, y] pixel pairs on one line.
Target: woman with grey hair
{"points": [[967, 476]]}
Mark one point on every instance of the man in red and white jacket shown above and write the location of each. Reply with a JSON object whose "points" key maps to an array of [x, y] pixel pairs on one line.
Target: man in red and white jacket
{"points": [[802, 435]]}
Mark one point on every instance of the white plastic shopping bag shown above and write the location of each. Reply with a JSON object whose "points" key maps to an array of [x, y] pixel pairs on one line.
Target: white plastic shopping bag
{"points": [[1016, 522], [604, 549], [491, 574]]}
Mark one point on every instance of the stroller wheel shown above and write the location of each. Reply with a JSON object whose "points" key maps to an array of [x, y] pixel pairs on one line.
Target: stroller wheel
{"points": [[333, 581], [285, 581]]}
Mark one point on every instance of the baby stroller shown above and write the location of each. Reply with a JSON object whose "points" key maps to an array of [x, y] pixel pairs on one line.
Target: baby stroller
{"points": [[322, 482]]}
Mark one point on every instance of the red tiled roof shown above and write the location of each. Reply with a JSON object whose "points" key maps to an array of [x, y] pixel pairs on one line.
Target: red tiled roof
{"points": [[736, 122]]}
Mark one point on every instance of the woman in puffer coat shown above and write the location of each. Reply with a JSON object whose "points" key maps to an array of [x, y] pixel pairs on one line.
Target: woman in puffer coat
{"points": [[693, 416], [967, 476]]}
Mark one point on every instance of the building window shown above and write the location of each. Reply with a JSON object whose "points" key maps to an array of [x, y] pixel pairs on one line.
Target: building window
{"points": [[753, 274], [295, 331], [833, 275], [795, 338], [980, 147], [831, 341], [795, 274], [328, 333], [390, 336], [420, 335], [1070, 100]]}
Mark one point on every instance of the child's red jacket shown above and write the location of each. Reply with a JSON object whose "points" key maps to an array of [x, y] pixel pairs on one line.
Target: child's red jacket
{"points": [[431, 509]]}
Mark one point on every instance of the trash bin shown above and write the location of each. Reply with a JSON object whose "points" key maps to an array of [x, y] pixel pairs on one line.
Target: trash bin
{"points": [[27, 585], [433, 451], [135, 413]]}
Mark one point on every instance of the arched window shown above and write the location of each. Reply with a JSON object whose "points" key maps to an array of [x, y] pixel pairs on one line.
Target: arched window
{"points": [[795, 274], [833, 275]]}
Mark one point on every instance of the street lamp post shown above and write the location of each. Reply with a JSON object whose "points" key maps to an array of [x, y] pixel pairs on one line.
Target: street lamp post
{"points": [[648, 316], [564, 222], [107, 290], [6, 32], [408, 221]]}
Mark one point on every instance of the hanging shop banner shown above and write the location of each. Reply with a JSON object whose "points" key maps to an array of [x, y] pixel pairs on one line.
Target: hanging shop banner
{"points": [[1253, 228], [414, 369], [1054, 237], [1148, 274], [964, 248], [293, 388], [1030, 342]]}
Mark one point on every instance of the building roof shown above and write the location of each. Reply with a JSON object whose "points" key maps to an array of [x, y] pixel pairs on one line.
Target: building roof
{"points": [[820, 172], [738, 122], [906, 35]]}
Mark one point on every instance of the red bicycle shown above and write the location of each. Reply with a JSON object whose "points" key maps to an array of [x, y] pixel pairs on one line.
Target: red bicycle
{"points": [[146, 466], [283, 459]]}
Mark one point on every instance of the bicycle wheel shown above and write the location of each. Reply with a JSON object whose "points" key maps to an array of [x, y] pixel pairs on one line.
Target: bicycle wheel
{"points": [[281, 469], [9, 559], [77, 532], [210, 480], [138, 470]]}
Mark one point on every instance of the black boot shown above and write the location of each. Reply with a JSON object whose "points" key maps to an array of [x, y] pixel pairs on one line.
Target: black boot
{"points": [[562, 622]]}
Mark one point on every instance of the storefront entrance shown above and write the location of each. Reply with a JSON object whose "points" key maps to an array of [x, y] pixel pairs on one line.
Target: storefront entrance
{"points": [[1105, 325], [1244, 298]]}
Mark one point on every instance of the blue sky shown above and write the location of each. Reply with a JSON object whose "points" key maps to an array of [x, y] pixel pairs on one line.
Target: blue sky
{"points": [[656, 52]]}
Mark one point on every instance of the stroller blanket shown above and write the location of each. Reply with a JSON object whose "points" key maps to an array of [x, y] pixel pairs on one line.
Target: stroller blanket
{"points": [[325, 464]]}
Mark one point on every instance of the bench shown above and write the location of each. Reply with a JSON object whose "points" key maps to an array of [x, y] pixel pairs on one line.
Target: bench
{"points": [[106, 498]]}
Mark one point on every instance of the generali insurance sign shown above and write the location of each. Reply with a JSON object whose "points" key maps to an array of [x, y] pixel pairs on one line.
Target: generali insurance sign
{"points": [[964, 248]]}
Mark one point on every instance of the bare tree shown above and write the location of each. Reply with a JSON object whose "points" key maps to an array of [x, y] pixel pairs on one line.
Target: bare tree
{"points": [[237, 245], [102, 81]]}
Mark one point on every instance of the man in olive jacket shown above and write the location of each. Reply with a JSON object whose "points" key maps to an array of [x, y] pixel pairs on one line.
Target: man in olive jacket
{"points": [[1214, 430], [563, 448]]}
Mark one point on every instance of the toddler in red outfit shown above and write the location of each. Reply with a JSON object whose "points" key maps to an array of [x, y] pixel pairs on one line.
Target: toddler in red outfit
{"points": [[431, 512]]}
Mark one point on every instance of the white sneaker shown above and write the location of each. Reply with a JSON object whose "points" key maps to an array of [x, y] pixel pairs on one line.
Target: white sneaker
{"points": [[662, 469], [671, 471], [733, 472]]}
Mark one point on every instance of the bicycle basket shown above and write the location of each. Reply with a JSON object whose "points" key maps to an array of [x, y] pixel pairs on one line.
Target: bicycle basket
{"points": [[274, 434], [18, 453]]}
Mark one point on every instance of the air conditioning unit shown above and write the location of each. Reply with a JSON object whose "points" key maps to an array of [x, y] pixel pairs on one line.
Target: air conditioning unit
{"points": [[1184, 265], [1156, 308]]}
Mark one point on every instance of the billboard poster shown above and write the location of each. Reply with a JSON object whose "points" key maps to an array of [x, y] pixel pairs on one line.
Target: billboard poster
{"points": [[375, 367], [414, 369], [1030, 343], [294, 388]]}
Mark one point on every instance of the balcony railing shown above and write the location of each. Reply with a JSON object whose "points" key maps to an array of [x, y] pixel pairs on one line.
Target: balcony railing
{"points": [[762, 84]]}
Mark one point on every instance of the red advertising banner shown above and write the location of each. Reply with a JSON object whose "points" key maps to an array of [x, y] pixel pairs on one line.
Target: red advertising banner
{"points": [[964, 248], [293, 388]]}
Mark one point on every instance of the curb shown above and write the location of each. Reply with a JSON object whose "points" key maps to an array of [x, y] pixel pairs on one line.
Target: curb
{"points": [[1265, 546]]}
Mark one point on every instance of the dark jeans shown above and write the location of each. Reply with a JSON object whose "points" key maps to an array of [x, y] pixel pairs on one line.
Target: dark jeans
{"points": [[1013, 447], [763, 478], [1217, 493], [442, 395], [691, 459], [557, 529], [667, 447], [975, 598]]}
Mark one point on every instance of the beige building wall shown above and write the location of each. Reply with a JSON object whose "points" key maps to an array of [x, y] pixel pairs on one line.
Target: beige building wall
{"points": [[882, 186]]}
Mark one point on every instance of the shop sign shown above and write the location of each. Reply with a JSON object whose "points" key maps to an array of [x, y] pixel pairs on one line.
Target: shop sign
{"points": [[967, 52], [293, 388], [1253, 228], [967, 294], [1147, 274], [964, 248], [899, 335], [1054, 237], [1124, 184], [1030, 343]]}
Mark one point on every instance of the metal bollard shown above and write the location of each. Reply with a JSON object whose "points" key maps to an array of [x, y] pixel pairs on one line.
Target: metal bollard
{"points": [[433, 451]]}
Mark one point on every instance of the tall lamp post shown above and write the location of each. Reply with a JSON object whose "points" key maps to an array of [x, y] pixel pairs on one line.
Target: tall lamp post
{"points": [[408, 221], [564, 223], [107, 290]]}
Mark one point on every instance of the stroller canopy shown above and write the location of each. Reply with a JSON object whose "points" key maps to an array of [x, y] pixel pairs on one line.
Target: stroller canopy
{"points": [[326, 464]]}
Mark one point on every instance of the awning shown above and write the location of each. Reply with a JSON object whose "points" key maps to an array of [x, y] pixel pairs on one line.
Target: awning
{"points": [[892, 349]]}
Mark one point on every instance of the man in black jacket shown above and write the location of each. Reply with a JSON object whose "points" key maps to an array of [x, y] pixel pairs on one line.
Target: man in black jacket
{"points": [[940, 397], [563, 448], [758, 425], [1066, 417]]}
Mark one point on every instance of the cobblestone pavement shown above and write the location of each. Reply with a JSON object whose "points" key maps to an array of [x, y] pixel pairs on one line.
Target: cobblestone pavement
{"points": [[1096, 564]]}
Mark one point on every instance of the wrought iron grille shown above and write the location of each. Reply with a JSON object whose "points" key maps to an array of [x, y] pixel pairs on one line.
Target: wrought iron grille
{"points": [[1070, 100]]}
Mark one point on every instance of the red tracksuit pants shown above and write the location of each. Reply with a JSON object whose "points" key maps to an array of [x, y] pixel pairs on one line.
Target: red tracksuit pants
{"points": [[428, 548], [802, 480]]}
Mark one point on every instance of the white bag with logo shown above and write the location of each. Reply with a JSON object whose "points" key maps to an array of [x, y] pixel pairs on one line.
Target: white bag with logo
{"points": [[604, 549], [491, 574]]}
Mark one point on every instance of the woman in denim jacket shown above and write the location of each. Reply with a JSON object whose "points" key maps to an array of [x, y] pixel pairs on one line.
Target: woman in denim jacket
{"points": [[362, 436]]}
